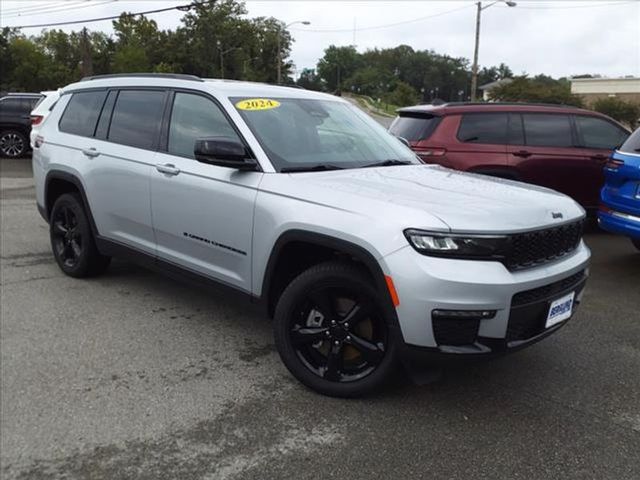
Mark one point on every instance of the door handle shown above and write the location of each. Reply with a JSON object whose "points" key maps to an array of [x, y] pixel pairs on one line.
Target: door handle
{"points": [[599, 158], [521, 153], [167, 168], [91, 152]]}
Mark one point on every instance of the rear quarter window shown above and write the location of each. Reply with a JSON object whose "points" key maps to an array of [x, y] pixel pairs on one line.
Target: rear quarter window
{"points": [[632, 144], [414, 128], [81, 114]]}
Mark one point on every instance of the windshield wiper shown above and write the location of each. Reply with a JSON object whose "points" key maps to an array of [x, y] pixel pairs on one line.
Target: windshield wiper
{"points": [[321, 167], [392, 162]]}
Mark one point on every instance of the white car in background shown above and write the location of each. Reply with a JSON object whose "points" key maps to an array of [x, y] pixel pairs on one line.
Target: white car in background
{"points": [[41, 111]]}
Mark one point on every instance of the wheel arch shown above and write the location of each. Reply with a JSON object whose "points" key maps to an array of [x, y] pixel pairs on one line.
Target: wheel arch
{"points": [[58, 182], [329, 247]]}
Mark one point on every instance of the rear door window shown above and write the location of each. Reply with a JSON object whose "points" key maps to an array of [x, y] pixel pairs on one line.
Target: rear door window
{"points": [[547, 130], [10, 105], [487, 128], [81, 114], [598, 133], [136, 118], [632, 144], [414, 128]]}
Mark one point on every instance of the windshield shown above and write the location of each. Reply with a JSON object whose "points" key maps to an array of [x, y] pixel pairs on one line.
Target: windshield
{"points": [[299, 134]]}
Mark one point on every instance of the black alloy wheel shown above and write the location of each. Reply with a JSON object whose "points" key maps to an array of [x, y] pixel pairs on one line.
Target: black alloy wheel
{"points": [[331, 332], [72, 239], [66, 238]]}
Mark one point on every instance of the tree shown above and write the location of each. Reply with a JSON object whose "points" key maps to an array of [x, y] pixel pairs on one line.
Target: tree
{"points": [[625, 112], [338, 64], [402, 95], [540, 89], [309, 80]]}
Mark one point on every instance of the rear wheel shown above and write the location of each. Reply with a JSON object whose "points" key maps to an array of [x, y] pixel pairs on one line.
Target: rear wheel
{"points": [[13, 144], [636, 242], [331, 333], [72, 239]]}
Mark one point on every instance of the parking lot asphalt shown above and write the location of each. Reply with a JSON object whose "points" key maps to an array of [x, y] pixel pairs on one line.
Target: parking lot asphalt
{"points": [[134, 375]]}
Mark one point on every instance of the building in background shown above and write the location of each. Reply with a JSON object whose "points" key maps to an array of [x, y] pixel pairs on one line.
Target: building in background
{"points": [[487, 87], [592, 89]]}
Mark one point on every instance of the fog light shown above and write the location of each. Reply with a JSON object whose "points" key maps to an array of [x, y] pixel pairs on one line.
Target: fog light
{"points": [[464, 314]]}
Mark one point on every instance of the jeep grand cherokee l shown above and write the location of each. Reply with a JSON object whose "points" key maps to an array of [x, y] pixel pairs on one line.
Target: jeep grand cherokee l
{"points": [[562, 148], [363, 255]]}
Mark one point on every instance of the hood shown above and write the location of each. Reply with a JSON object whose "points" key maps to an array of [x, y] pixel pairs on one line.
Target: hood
{"points": [[428, 196]]}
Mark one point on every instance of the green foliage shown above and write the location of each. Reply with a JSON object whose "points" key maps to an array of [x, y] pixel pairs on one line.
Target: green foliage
{"points": [[309, 80], [402, 95], [378, 72], [539, 89], [213, 40], [625, 112]]}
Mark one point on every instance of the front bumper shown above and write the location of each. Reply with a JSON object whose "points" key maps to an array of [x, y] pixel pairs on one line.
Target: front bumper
{"points": [[519, 299]]}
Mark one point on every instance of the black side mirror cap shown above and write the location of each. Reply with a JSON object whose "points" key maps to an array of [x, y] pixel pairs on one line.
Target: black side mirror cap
{"points": [[224, 152]]}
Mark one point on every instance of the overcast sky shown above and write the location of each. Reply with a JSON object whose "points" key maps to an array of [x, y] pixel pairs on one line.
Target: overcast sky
{"points": [[559, 38]]}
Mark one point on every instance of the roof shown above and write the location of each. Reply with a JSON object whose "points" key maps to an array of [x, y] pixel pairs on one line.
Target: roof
{"points": [[224, 87], [497, 83], [468, 107]]}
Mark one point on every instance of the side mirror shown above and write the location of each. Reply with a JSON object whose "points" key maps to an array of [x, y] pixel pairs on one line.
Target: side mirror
{"points": [[223, 152]]}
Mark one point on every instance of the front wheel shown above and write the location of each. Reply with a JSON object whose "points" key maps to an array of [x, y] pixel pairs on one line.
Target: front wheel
{"points": [[331, 332], [636, 242]]}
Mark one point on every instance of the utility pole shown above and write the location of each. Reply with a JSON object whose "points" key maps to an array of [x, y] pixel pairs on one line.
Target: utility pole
{"points": [[474, 68], [86, 64]]}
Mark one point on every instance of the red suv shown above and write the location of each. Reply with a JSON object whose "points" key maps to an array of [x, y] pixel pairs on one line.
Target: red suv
{"points": [[563, 148]]}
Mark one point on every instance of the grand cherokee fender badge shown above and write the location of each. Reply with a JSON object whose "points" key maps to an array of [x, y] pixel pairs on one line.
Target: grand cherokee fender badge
{"points": [[213, 243]]}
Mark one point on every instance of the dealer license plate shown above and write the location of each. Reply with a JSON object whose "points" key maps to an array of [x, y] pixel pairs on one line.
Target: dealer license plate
{"points": [[560, 309]]}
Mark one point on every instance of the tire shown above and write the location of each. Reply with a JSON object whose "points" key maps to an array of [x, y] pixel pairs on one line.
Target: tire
{"points": [[13, 144], [636, 242], [316, 342], [72, 240]]}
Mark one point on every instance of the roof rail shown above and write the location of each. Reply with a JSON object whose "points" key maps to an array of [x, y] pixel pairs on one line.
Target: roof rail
{"points": [[538, 104], [177, 76]]}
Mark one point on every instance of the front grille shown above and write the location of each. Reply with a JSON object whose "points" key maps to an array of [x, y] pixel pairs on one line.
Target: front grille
{"points": [[541, 246], [449, 331], [535, 294], [529, 309]]}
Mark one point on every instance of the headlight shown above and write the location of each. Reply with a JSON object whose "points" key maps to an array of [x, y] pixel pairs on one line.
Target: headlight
{"points": [[480, 247]]}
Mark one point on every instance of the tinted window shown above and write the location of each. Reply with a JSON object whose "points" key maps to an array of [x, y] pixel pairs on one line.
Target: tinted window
{"points": [[11, 106], [82, 112], [414, 128], [192, 117], [547, 130], [136, 118], [598, 133], [483, 128], [632, 145]]}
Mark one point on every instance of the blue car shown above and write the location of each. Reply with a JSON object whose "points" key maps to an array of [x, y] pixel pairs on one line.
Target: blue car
{"points": [[620, 198]]}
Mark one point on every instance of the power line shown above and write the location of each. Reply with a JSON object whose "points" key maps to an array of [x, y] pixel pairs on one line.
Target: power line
{"points": [[33, 7], [388, 25], [69, 6], [113, 17]]}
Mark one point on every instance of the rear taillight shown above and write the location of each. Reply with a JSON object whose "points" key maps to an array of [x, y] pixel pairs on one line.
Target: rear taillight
{"points": [[36, 119], [428, 153], [38, 141], [613, 164]]}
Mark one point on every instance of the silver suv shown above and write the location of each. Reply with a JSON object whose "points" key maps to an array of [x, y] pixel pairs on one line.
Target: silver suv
{"points": [[364, 256]]}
